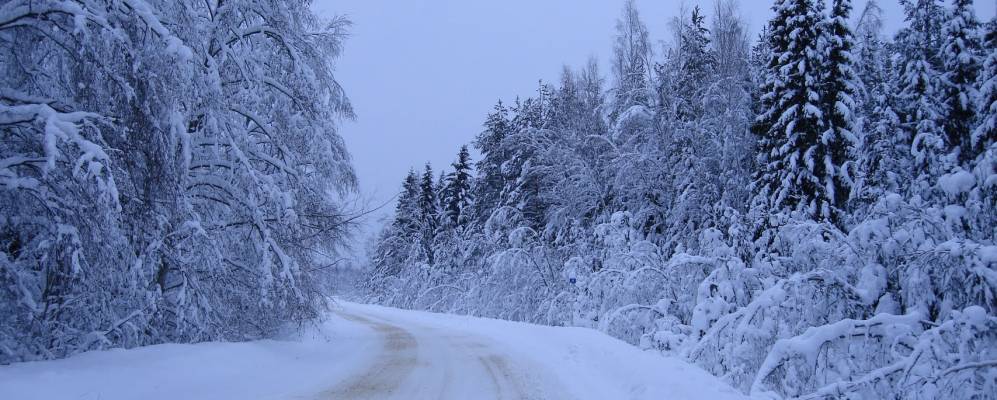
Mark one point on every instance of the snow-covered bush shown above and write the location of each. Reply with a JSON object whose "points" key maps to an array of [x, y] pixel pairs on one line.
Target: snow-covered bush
{"points": [[737, 344]]}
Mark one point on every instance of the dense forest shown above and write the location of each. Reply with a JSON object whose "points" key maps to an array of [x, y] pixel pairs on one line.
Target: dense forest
{"points": [[170, 171], [808, 214]]}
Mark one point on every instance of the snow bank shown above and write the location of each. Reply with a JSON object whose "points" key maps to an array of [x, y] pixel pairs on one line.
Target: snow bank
{"points": [[267, 369]]}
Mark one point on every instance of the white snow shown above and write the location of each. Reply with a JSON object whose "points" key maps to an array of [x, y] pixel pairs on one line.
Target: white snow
{"points": [[957, 182], [266, 369], [549, 362]]}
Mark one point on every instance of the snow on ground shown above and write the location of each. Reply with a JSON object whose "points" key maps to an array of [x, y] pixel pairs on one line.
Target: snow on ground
{"points": [[586, 363], [366, 351], [266, 369]]}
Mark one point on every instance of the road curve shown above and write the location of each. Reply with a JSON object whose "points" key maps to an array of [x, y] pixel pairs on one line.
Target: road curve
{"points": [[418, 362]]}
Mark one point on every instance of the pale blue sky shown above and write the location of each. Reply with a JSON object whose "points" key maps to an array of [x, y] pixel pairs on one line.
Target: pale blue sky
{"points": [[422, 74]]}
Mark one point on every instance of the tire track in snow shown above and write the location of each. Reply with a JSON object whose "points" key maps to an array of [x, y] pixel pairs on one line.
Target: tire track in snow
{"points": [[418, 362], [393, 365]]}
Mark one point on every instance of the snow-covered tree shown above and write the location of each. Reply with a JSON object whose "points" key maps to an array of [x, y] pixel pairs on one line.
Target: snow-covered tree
{"points": [[985, 133], [961, 59], [728, 103], [694, 64], [919, 89], [395, 245], [456, 190], [800, 164], [840, 86], [172, 170], [984, 140], [883, 154], [631, 62], [428, 211], [847, 277], [489, 181]]}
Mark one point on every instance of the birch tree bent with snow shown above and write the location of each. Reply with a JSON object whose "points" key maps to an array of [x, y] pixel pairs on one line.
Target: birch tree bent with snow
{"points": [[169, 171]]}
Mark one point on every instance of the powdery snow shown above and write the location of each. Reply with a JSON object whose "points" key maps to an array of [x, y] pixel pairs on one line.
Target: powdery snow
{"points": [[585, 363], [365, 351], [267, 369], [957, 182]]}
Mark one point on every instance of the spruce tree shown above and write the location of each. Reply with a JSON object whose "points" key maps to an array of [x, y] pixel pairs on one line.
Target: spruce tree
{"points": [[395, 244], [758, 62], [882, 148], [985, 134], [696, 64], [457, 190], [840, 86], [407, 213], [984, 138], [962, 63], [522, 179], [490, 180], [793, 173], [428, 212], [919, 105]]}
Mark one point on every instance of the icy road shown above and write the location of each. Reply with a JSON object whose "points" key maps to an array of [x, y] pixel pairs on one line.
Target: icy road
{"points": [[370, 352]]}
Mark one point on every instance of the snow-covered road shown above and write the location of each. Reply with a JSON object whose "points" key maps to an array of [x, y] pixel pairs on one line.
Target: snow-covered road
{"points": [[371, 352], [421, 362]]}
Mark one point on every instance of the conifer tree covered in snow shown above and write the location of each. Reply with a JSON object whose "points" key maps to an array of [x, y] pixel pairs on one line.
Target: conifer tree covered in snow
{"points": [[456, 197], [861, 262], [811, 217], [803, 148], [983, 140], [170, 171], [840, 85], [490, 180], [696, 62], [921, 105], [961, 58], [394, 247], [429, 212], [883, 149], [985, 134]]}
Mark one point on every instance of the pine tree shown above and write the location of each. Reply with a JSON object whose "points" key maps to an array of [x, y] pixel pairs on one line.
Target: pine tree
{"points": [[457, 190], [792, 172], [962, 63], [840, 86]]}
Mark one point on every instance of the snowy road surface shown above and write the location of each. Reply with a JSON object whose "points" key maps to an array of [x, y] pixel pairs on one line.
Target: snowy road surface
{"points": [[427, 363], [370, 352]]}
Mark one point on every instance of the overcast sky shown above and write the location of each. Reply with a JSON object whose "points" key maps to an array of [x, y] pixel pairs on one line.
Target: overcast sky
{"points": [[422, 74]]}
